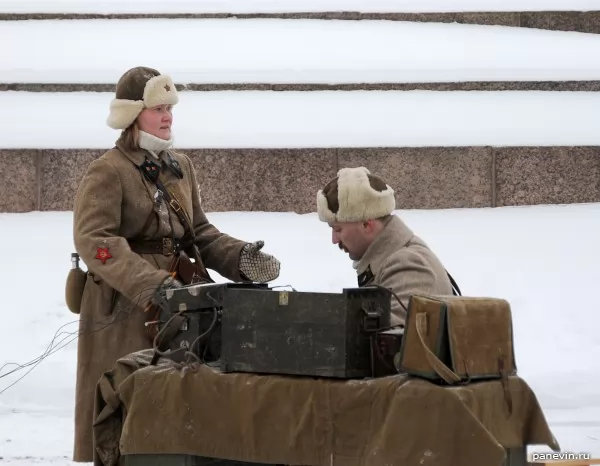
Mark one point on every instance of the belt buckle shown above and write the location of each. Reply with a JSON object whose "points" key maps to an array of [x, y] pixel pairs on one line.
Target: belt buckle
{"points": [[167, 246]]}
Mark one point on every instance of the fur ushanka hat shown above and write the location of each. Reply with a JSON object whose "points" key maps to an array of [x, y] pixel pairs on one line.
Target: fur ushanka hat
{"points": [[355, 196], [139, 88]]}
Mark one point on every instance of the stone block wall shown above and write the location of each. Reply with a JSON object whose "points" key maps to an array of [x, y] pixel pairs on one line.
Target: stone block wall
{"points": [[286, 180], [579, 21]]}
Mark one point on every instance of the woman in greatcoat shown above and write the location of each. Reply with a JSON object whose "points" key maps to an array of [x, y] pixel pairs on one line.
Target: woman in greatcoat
{"points": [[127, 235]]}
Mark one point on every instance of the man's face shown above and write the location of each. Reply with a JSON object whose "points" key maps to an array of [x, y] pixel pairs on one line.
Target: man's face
{"points": [[352, 237]]}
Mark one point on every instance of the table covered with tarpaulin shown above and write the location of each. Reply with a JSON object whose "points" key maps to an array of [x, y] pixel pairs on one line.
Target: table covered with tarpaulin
{"points": [[169, 408]]}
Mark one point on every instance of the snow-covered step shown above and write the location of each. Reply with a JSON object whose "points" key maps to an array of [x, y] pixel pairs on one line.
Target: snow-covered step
{"points": [[270, 6], [254, 119], [292, 51]]}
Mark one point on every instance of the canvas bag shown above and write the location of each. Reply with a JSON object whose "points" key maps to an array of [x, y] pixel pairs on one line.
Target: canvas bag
{"points": [[456, 339]]}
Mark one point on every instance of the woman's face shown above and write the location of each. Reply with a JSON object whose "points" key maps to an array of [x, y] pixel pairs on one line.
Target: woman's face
{"points": [[157, 121]]}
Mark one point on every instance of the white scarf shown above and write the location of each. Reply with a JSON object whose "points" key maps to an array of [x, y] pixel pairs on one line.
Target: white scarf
{"points": [[153, 144]]}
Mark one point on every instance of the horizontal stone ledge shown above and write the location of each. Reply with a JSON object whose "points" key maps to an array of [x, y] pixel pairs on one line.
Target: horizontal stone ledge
{"points": [[581, 21], [254, 179], [569, 86]]}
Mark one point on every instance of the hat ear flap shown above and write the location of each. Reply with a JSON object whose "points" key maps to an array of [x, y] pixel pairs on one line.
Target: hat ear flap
{"points": [[123, 113], [324, 212]]}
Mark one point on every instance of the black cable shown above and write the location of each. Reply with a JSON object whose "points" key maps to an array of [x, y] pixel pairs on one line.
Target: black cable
{"points": [[213, 324], [392, 293]]}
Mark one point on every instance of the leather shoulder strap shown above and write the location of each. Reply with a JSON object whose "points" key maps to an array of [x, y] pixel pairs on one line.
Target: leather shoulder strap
{"points": [[455, 288], [182, 215], [151, 172]]}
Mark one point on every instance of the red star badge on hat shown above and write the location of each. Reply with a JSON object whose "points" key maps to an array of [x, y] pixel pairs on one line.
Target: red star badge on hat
{"points": [[102, 254]]}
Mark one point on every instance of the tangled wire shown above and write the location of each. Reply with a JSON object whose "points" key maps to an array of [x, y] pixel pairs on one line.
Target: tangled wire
{"points": [[61, 339], [191, 353]]}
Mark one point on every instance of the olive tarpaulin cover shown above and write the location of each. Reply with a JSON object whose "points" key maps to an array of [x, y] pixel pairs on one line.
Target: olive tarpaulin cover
{"points": [[197, 410]]}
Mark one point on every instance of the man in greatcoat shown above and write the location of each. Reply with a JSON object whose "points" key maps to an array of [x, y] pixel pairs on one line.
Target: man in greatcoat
{"points": [[358, 206]]}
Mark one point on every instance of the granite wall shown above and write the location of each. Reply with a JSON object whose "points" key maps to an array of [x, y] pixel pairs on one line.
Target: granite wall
{"points": [[572, 86], [580, 21], [283, 180]]}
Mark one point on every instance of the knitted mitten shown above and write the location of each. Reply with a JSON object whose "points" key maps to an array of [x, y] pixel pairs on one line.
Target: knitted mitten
{"points": [[256, 266]]}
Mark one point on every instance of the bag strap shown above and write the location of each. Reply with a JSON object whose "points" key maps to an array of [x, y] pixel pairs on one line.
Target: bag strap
{"points": [[439, 367], [455, 288]]}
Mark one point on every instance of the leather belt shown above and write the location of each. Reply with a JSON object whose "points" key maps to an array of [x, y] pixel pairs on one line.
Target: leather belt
{"points": [[165, 246]]}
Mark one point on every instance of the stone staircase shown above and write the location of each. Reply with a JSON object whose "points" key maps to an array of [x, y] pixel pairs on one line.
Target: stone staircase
{"points": [[286, 178]]}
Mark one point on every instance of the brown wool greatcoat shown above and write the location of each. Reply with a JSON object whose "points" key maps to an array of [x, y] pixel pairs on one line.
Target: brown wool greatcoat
{"points": [[401, 261], [113, 203]]}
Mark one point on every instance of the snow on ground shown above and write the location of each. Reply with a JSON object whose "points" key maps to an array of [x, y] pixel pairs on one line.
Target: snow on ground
{"points": [[542, 259], [317, 119], [270, 6], [293, 51]]}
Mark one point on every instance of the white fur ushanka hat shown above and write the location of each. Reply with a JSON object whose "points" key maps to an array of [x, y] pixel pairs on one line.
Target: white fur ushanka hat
{"points": [[355, 196], [139, 88]]}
